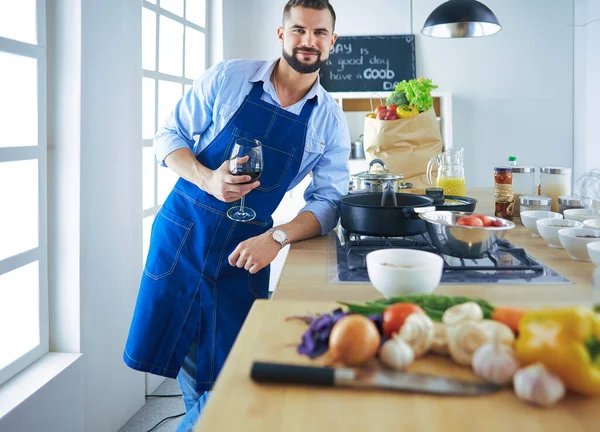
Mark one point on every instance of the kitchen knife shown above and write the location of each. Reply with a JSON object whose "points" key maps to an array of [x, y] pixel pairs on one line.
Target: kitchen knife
{"points": [[358, 378]]}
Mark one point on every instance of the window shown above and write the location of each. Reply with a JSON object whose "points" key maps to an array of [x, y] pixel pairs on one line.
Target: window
{"points": [[23, 179], [173, 55]]}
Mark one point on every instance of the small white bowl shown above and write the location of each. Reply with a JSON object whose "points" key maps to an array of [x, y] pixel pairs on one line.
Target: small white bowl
{"points": [[530, 218], [591, 223], [580, 215], [594, 252], [573, 241], [548, 229], [395, 272]]}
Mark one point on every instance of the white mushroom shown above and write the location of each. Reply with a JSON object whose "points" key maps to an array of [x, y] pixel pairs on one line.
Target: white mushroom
{"points": [[463, 341], [469, 311], [417, 331], [440, 339], [396, 354]]}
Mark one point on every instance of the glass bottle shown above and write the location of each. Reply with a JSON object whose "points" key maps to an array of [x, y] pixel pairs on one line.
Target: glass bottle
{"points": [[503, 193]]}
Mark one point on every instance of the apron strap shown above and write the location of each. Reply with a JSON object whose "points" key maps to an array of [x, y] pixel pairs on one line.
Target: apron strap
{"points": [[307, 109]]}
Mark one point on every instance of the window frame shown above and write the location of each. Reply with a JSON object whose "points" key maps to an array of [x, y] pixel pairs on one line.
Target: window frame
{"points": [[39, 153]]}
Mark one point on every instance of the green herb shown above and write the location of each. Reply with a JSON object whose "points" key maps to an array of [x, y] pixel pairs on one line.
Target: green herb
{"points": [[433, 305], [417, 93]]}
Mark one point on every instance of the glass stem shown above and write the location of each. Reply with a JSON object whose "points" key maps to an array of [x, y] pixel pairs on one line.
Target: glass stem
{"points": [[242, 204]]}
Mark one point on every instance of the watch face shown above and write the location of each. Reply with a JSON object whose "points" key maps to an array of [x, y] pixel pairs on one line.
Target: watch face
{"points": [[279, 236]]}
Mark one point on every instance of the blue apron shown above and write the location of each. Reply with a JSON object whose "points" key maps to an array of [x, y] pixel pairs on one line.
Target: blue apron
{"points": [[188, 288]]}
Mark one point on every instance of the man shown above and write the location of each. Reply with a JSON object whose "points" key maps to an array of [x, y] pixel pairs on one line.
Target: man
{"points": [[204, 270]]}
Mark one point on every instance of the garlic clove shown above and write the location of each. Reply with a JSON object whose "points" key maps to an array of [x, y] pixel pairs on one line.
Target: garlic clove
{"points": [[396, 354], [495, 363], [469, 311], [537, 385]]}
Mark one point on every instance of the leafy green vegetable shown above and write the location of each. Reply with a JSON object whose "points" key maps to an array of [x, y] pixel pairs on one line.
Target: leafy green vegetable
{"points": [[593, 347], [398, 98], [433, 305], [417, 93]]}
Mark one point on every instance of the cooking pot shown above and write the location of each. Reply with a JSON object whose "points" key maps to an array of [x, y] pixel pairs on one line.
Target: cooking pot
{"points": [[375, 181], [364, 214]]}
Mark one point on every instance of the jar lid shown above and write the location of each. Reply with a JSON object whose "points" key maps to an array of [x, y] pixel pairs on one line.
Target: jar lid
{"points": [[523, 169], [574, 201], [535, 200], [503, 168], [556, 170]]}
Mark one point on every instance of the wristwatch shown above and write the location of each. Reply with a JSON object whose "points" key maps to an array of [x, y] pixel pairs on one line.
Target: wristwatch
{"points": [[279, 236]]}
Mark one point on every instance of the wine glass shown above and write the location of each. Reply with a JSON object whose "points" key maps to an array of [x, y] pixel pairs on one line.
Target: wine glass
{"points": [[252, 167]]}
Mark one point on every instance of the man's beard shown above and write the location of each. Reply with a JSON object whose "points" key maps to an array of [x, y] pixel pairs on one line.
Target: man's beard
{"points": [[300, 67]]}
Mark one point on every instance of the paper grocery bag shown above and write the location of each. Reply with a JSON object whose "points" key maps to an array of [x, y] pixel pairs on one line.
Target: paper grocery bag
{"points": [[404, 145]]}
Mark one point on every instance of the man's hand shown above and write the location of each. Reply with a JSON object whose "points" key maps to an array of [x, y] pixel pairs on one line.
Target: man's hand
{"points": [[255, 253], [225, 186]]}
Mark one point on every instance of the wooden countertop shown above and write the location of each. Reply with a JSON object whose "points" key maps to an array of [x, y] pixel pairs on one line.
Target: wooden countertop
{"points": [[238, 404], [305, 274]]}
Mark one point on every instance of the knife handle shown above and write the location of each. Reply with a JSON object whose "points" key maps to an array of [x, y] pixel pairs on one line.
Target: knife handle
{"points": [[292, 374]]}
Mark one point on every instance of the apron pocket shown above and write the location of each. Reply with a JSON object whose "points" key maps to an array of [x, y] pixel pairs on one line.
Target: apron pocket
{"points": [[169, 233]]}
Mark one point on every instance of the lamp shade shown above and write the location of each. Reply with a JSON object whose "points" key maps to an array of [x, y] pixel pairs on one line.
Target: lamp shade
{"points": [[460, 19]]}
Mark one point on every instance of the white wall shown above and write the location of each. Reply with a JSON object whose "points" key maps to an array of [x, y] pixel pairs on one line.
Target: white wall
{"points": [[505, 87], [587, 86]]}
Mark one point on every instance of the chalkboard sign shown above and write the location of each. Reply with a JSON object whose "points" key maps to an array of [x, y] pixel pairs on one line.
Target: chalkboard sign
{"points": [[369, 63]]}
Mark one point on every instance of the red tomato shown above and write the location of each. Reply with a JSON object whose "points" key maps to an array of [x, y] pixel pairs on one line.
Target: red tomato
{"points": [[381, 114], [392, 107], [469, 221], [496, 223], [486, 220], [395, 315], [379, 109]]}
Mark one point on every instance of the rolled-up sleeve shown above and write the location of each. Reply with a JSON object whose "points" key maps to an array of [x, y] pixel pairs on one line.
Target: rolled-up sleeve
{"points": [[331, 177], [190, 117]]}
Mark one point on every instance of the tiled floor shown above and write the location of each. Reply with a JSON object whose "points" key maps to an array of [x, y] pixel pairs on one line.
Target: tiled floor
{"points": [[157, 409]]}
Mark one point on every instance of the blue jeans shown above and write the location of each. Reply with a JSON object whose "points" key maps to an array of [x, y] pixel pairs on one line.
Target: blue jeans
{"points": [[194, 401]]}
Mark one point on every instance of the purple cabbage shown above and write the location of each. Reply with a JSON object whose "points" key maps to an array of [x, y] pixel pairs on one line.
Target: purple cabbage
{"points": [[315, 341]]}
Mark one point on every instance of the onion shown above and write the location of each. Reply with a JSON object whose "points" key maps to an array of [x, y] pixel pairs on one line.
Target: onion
{"points": [[354, 340]]}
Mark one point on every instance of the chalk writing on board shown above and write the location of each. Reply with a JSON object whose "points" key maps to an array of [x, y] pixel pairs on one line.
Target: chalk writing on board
{"points": [[361, 63]]}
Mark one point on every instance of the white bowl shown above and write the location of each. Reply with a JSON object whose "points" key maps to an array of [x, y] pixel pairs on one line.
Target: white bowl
{"points": [[548, 229], [591, 223], [529, 219], [594, 252], [580, 214], [571, 239], [396, 272]]}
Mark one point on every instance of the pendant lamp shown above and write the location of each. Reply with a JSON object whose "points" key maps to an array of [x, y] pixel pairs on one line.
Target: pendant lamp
{"points": [[461, 19]]}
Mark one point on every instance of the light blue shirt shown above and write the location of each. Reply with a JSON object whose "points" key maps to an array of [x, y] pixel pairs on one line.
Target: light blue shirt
{"points": [[207, 108]]}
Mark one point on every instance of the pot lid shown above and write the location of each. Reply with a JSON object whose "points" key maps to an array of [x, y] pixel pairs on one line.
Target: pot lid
{"points": [[383, 174]]}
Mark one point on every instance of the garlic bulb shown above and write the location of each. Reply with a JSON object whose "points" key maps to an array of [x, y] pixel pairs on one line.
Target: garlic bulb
{"points": [[495, 362], [417, 331], [440, 339], [463, 341], [537, 385], [469, 311], [497, 329], [396, 354]]}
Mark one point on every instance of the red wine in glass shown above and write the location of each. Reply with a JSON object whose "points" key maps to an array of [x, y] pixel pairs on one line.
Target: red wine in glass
{"points": [[246, 159]]}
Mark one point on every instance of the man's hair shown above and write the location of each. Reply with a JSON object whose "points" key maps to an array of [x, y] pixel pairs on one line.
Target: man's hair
{"points": [[309, 4]]}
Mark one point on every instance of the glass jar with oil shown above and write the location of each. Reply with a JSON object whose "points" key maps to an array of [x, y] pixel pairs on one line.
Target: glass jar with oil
{"points": [[450, 172]]}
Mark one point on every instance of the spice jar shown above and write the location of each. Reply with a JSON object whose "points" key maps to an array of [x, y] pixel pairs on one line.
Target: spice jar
{"points": [[555, 182], [535, 202], [503, 193], [572, 202], [523, 184]]}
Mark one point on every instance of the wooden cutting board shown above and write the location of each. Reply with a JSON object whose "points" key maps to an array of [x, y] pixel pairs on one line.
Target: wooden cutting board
{"points": [[238, 404]]}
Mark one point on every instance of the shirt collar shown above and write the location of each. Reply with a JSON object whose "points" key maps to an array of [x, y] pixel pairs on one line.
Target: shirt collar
{"points": [[264, 75]]}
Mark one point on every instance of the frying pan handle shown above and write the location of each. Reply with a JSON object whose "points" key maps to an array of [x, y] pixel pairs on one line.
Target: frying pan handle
{"points": [[423, 209], [406, 186]]}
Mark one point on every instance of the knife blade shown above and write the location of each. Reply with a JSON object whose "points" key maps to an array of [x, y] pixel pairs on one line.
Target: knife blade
{"points": [[263, 372]]}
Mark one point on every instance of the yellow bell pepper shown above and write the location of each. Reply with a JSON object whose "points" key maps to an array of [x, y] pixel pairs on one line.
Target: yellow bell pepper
{"points": [[567, 342], [406, 111]]}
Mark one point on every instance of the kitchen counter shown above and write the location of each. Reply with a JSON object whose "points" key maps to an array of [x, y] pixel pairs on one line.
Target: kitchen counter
{"points": [[305, 274], [237, 403]]}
